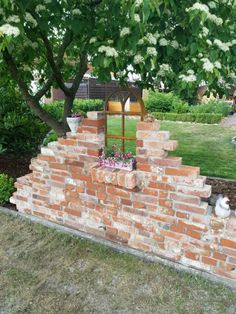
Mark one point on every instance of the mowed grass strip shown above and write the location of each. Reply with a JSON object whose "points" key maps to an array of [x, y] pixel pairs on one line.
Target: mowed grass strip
{"points": [[43, 271], [205, 146]]}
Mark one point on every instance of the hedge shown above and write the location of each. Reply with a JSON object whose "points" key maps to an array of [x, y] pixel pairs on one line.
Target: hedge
{"points": [[209, 118]]}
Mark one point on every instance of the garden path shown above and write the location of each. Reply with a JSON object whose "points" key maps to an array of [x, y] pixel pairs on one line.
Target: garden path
{"points": [[230, 121]]}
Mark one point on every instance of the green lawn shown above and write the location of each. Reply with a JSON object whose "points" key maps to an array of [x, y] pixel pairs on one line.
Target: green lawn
{"points": [[43, 271], [206, 146]]}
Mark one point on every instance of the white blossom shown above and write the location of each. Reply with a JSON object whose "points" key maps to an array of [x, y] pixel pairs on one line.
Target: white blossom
{"points": [[29, 18], [190, 77], [207, 65], [109, 51], [164, 69], [190, 72], [198, 6], [212, 5], [138, 59], [110, 41], [217, 64], [151, 51], [138, 3], [137, 18], [40, 8], [125, 31], [163, 42], [140, 42], [9, 30], [209, 42], [174, 44], [217, 20], [76, 12], [222, 46], [92, 40], [47, 1], [205, 31], [13, 19], [151, 39]]}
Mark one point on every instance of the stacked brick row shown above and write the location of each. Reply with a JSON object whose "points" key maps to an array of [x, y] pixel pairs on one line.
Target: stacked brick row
{"points": [[158, 208]]}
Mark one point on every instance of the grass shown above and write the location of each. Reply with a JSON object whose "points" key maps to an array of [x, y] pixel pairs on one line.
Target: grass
{"points": [[206, 146], [43, 271]]}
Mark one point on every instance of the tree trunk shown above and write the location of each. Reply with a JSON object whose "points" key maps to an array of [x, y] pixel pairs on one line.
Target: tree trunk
{"points": [[68, 106]]}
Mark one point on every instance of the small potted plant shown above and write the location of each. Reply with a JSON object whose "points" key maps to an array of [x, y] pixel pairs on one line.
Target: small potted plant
{"points": [[114, 158], [74, 121]]}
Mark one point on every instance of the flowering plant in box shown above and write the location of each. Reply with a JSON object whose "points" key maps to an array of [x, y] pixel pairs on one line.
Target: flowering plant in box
{"points": [[114, 158]]}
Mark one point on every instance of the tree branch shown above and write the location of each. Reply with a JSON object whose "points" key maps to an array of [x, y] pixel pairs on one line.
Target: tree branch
{"points": [[33, 103], [66, 42], [80, 74]]}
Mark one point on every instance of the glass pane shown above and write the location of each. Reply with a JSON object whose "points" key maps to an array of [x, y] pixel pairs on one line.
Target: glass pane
{"points": [[130, 125], [114, 125], [130, 146], [114, 141]]}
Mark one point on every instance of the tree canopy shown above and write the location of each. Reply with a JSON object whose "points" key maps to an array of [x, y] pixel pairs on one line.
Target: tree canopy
{"points": [[181, 43]]}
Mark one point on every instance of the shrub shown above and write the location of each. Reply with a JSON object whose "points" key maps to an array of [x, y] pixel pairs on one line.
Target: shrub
{"points": [[55, 108], [50, 137], [21, 131], [164, 102], [213, 106], [208, 118], [6, 188], [180, 107]]}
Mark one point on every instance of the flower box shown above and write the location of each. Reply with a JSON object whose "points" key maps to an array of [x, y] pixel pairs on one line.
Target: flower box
{"points": [[126, 165]]}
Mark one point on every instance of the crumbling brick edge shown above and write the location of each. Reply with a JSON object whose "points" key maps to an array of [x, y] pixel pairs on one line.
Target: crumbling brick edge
{"points": [[121, 248]]}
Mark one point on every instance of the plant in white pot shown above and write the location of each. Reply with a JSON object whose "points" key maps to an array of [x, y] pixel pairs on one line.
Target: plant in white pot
{"points": [[74, 122]]}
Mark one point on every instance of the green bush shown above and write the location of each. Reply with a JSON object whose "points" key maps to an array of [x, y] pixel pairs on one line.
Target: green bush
{"points": [[213, 106], [209, 118], [50, 137], [55, 108], [6, 188], [164, 102], [21, 132]]}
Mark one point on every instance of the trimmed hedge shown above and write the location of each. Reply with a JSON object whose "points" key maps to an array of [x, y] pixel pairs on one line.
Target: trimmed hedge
{"points": [[55, 108], [209, 118]]}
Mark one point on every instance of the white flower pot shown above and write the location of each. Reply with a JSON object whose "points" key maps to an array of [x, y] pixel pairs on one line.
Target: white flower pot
{"points": [[73, 124]]}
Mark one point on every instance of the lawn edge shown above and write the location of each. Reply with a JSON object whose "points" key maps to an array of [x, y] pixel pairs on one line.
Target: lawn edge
{"points": [[119, 247]]}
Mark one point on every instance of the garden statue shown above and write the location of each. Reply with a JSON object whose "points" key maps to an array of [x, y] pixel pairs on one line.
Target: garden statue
{"points": [[222, 208]]}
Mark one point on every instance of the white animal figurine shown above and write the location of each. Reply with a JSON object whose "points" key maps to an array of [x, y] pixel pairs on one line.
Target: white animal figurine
{"points": [[222, 208]]}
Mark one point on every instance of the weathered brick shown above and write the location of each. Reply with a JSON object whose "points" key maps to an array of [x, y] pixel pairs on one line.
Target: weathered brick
{"points": [[184, 171], [228, 243], [209, 261], [147, 126], [192, 255], [167, 161]]}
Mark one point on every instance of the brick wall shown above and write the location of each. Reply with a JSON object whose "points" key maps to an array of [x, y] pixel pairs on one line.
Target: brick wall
{"points": [[157, 209]]}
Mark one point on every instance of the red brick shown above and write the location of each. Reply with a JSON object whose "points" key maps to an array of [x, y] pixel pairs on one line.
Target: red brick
{"points": [[119, 192], [144, 167], [139, 143], [68, 141], [74, 163], [202, 192], [46, 158], [153, 192], [228, 243], [97, 123], [73, 212], [167, 161], [165, 203], [193, 234], [58, 166], [161, 186], [126, 202], [91, 152], [189, 208], [192, 255], [209, 261], [184, 171], [182, 215], [185, 198], [148, 126]]}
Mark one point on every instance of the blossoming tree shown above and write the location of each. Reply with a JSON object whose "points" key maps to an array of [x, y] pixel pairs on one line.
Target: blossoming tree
{"points": [[181, 43]]}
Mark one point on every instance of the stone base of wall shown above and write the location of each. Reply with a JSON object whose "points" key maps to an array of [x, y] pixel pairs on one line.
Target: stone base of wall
{"points": [[156, 209]]}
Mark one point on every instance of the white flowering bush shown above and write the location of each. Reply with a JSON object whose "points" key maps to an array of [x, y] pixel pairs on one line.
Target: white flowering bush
{"points": [[180, 43]]}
